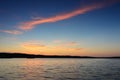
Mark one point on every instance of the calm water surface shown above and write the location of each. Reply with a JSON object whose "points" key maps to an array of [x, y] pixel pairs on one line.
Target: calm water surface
{"points": [[59, 69]]}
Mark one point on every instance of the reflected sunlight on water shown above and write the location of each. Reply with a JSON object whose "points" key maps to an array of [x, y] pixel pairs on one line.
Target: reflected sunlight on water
{"points": [[59, 69]]}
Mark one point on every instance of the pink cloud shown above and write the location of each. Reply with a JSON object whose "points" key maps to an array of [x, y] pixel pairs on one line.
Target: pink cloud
{"points": [[11, 31], [31, 24]]}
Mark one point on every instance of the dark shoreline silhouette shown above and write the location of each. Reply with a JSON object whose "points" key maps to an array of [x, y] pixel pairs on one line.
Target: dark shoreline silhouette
{"points": [[23, 55]]}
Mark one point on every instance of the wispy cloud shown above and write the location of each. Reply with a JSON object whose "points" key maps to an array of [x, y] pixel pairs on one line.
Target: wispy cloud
{"points": [[38, 47], [31, 24], [84, 9], [32, 44], [15, 32], [38, 20]]}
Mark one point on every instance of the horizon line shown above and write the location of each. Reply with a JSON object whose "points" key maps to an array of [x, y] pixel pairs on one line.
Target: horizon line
{"points": [[26, 55]]}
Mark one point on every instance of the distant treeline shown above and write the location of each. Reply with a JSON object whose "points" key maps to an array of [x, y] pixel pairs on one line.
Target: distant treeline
{"points": [[23, 55]]}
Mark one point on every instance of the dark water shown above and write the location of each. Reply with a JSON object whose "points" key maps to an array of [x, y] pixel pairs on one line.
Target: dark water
{"points": [[59, 69]]}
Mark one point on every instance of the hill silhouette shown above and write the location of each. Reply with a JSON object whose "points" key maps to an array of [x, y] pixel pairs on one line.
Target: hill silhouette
{"points": [[23, 55]]}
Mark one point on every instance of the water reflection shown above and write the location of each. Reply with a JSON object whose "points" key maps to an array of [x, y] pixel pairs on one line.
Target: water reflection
{"points": [[31, 68], [59, 69]]}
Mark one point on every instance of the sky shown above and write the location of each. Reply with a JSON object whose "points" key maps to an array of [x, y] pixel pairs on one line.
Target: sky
{"points": [[60, 27]]}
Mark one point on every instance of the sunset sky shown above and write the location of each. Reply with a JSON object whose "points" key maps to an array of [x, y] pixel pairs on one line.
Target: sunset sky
{"points": [[60, 27]]}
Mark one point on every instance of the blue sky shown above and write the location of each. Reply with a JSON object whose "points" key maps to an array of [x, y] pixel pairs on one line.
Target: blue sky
{"points": [[60, 27]]}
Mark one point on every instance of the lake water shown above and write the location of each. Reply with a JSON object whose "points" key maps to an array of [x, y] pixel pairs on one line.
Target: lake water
{"points": [[59, 69]]}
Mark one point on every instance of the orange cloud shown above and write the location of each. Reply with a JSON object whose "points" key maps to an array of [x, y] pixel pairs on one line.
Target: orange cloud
{"points": [[38, 47], [31, 24], [11, 31], [32, 45]]}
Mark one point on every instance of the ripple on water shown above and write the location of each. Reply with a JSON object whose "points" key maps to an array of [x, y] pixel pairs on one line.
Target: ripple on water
{"points": [[60, 69]]}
